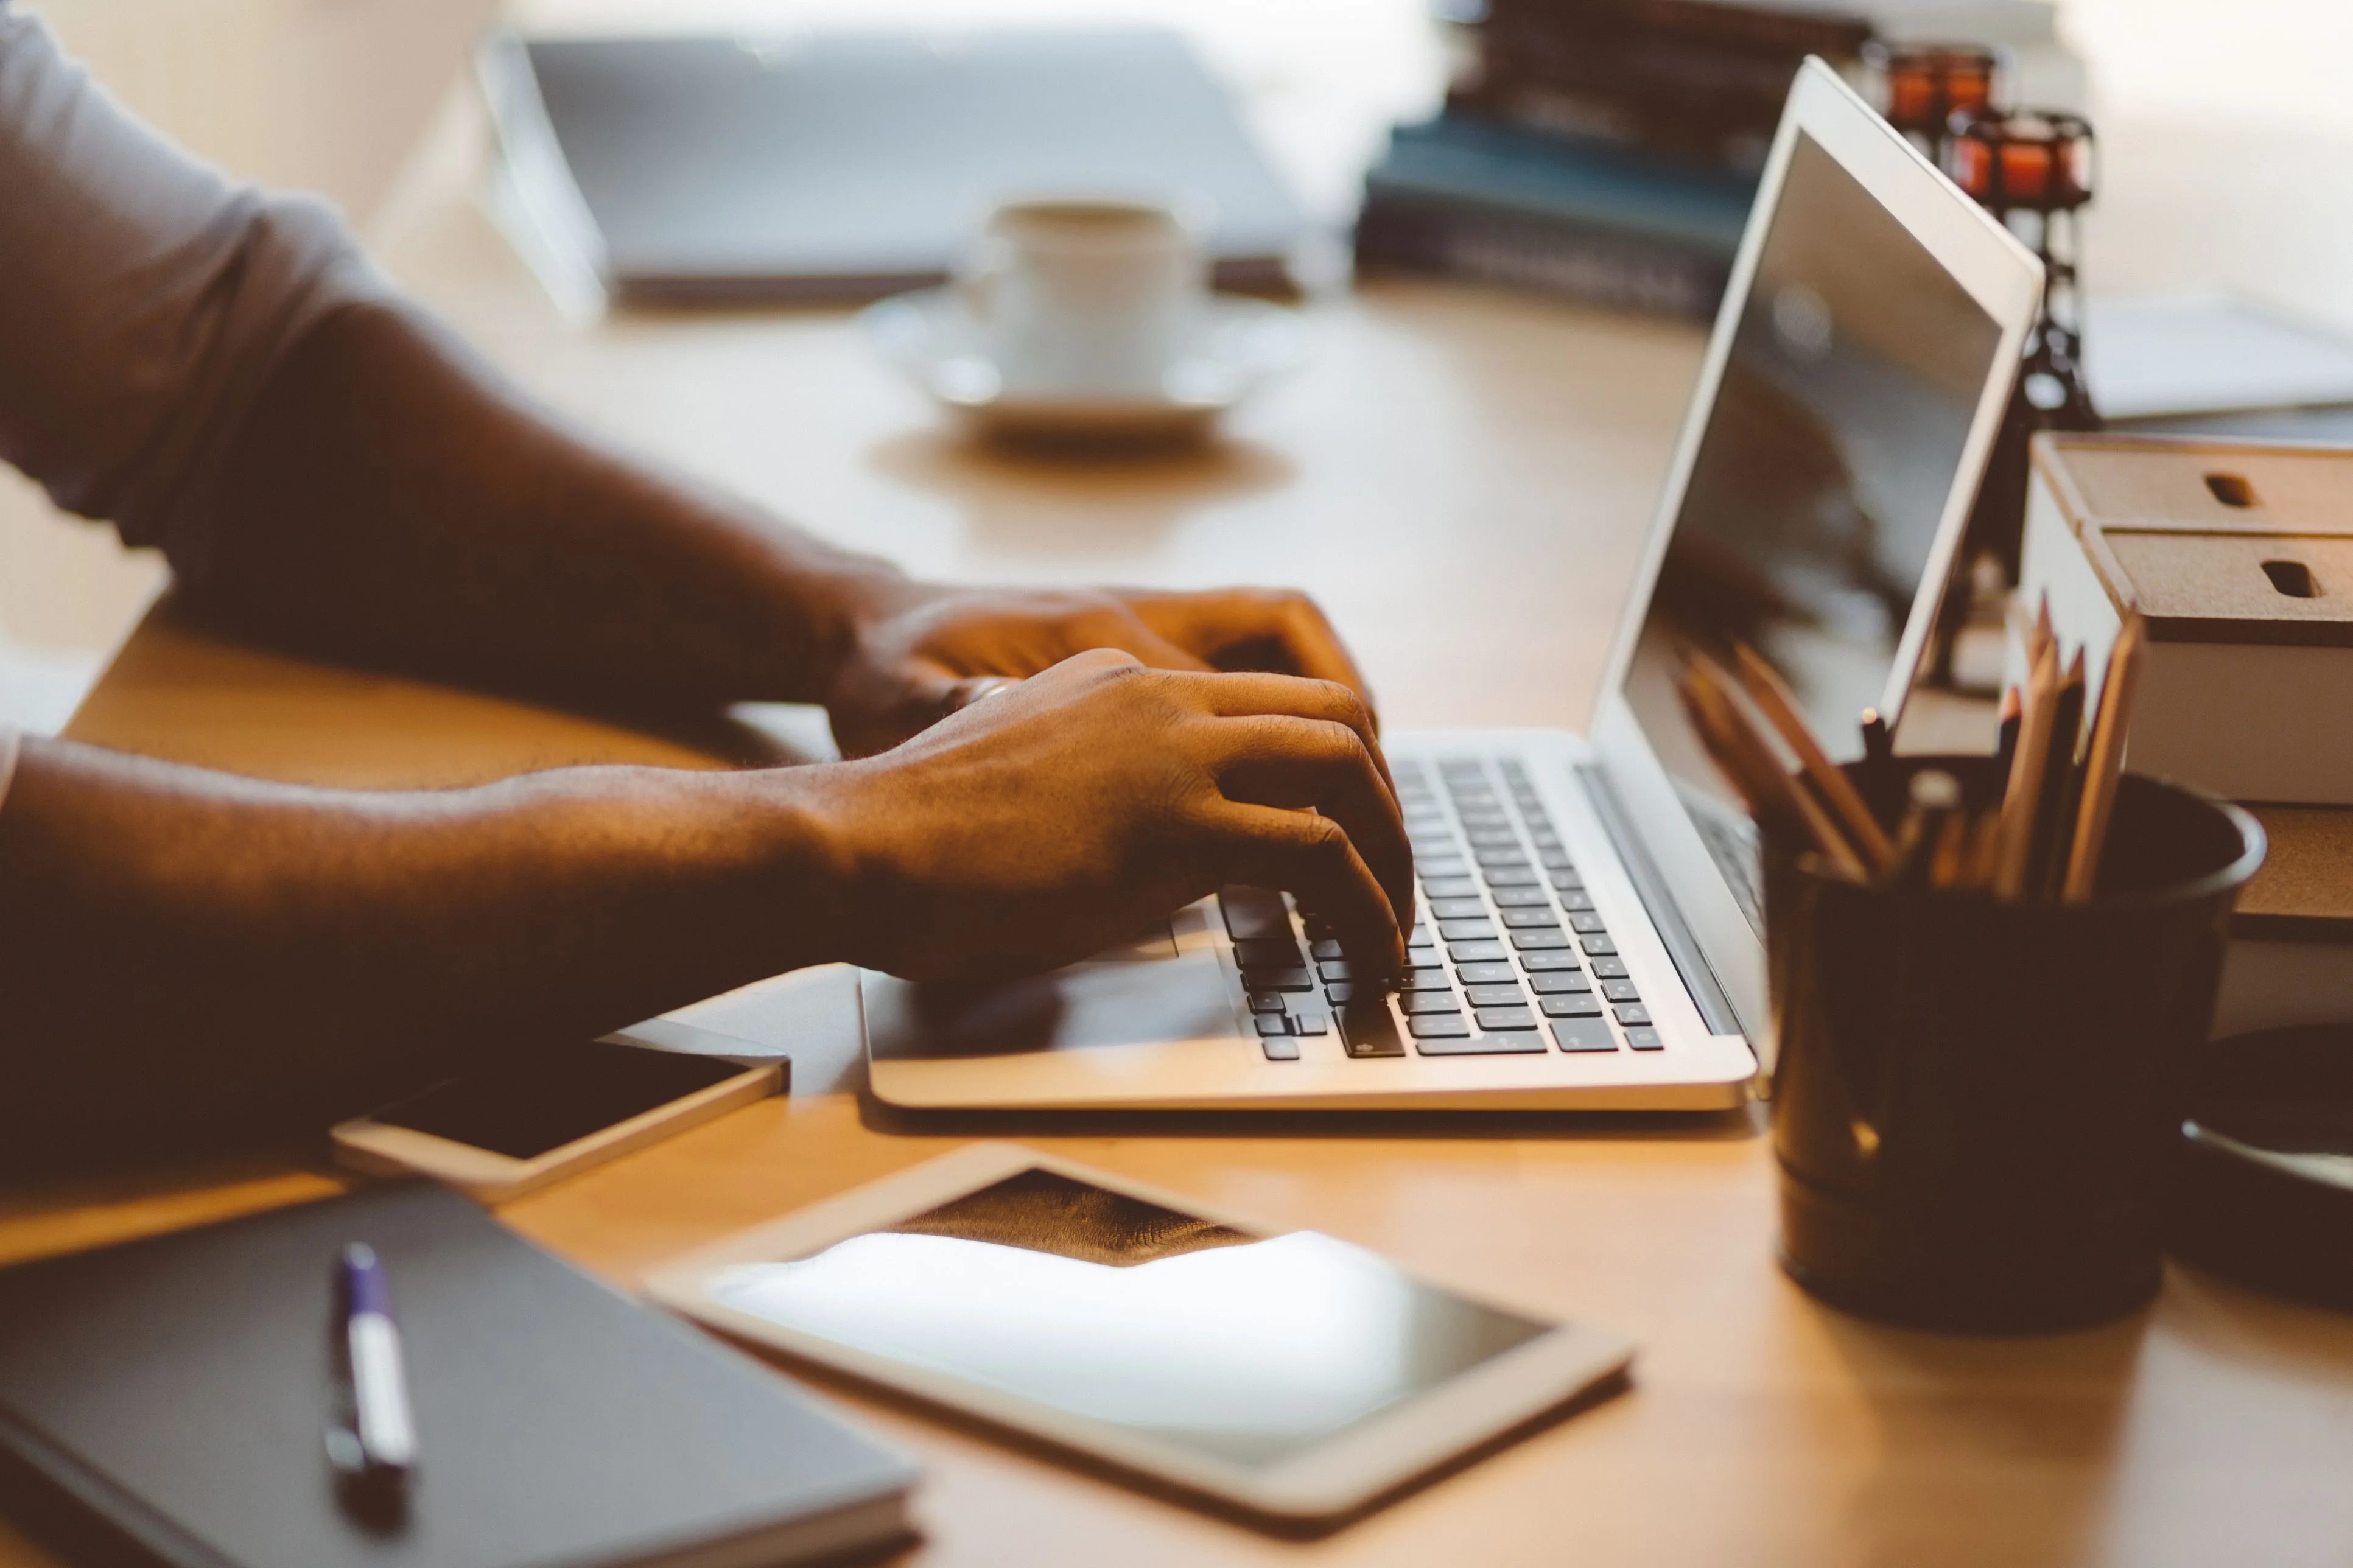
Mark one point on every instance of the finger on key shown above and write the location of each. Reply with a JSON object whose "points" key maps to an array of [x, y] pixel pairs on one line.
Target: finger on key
{"points": [[1310, 857], [1295, 763]]}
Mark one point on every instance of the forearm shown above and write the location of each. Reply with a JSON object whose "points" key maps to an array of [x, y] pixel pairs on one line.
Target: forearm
{"points": [[393, 500], [183, 952]]}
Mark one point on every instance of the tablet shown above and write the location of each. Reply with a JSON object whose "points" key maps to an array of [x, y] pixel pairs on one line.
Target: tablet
{"points": [[1293, 1375]]}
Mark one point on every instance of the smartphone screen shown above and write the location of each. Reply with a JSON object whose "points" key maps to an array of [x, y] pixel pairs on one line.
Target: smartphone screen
{"points": [[1242, 1347], [544, 1100]]}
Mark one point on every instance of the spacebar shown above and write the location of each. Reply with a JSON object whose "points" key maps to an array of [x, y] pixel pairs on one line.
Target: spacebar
{"points": [[1484, 1046]]}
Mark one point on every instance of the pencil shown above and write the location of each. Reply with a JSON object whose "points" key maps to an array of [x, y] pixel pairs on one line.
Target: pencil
{"points": [[1779, 704], [2022, 796], [2039, 636], [2007, 748], [2104, 764], [1748, 760], [1952, 852], [1934, 801], [2054, 802]]}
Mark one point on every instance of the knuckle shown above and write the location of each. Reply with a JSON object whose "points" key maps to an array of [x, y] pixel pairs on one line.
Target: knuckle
{"points": [[1322, 836]]}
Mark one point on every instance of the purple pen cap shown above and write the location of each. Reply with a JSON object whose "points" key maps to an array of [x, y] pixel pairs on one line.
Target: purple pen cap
{"points": [[365, 1288]]}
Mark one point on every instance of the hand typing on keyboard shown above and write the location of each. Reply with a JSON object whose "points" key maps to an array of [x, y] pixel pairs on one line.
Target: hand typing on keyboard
{"points": [[1100, 795]]}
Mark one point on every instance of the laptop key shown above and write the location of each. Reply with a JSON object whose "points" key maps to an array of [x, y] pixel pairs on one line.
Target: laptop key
{"points": [[1469, 908], [1333, 969], [1293, 979], [1266, 1002], [1583, 1034], [1266, 953], [1280, 1048], [1502, 1020], [1495, 996], [1466, 1045], [1599, 947], [1254, 912], [1559, 983], [1420, 937], [1607, 968], [1340, 993], [1271, 1025], [1327, 948], [1556, 860], [1478, 929], [1645, 1040], [1439, 1027], [1416, 1002], [1528, 918], [1519, 898], [1485, 973], [1522, 875], [1550, 937], [1367, 1030], [1545, 959], [1586, 921], [1476, 951], [1575, 899], [1499, 854], [1620, 991], [1567, 881], [1436, 888], [1310, 1021], [1576, 1005], [1425, 977], [1441, 865], [1633, 1015]]}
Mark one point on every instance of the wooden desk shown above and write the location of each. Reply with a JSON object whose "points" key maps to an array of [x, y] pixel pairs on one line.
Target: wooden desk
{"points": [[1462, 480]]}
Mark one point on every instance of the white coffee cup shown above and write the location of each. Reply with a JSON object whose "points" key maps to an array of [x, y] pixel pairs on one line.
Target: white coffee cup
{"points": [[1085, 298]]}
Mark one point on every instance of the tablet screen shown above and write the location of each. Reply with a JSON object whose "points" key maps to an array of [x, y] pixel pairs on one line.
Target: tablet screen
{"points": [[1248, 1349]]}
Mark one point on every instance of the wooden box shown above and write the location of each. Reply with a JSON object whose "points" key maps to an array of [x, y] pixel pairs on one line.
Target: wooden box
{"points": [[2239, 558]]}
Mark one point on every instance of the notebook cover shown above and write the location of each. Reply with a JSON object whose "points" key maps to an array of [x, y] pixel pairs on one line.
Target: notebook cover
{"points": [[162, 1402], [856, 165]]}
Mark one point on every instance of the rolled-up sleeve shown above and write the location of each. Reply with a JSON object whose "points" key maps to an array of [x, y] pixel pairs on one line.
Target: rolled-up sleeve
{"points": [[11, 744], [144, 299]]}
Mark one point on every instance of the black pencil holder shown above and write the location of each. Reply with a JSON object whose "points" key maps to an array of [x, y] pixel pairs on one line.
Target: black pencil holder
{"points": [[1977, 1103]]}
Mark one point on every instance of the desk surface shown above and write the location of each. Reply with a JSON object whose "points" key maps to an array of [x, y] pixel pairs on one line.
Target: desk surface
{"points": [[1462, 479]]}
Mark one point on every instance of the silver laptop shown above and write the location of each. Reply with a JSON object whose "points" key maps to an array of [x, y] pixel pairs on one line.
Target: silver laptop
{"points": [[1590, 932]]}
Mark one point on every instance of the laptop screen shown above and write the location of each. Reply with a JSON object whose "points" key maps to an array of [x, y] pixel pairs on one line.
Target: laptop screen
{"points": [[1821, 477]]}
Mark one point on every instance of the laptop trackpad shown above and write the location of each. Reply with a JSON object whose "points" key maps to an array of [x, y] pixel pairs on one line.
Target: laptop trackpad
{"points": [[1180, 998]]}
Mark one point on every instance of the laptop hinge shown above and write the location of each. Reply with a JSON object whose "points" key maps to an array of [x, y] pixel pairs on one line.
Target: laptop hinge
{"points": [[1699, 978]]}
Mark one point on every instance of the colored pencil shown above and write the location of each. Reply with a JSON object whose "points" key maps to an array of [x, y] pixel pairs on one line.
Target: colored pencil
{"points": [[1779, 704]]}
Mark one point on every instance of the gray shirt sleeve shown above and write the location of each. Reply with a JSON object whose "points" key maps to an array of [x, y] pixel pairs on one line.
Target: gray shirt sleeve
{"points": [[144, 299]]}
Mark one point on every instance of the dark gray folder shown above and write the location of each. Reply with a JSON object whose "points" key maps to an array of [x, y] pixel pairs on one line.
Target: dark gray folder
{"points": [[856, 165], [162, 1402]]}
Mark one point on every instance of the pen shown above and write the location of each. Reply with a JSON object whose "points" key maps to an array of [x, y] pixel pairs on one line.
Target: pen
{"points": [[378, 1440], [1878, 745]]}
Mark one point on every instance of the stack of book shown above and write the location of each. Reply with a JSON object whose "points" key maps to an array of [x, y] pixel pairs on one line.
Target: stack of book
{"points": [[1603, 149]]}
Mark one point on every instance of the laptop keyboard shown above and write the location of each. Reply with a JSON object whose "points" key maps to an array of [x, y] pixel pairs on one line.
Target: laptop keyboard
{"points": [[1507, 958]]}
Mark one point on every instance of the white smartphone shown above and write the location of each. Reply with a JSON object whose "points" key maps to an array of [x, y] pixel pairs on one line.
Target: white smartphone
{"points": [[551, 1113], [1295, 1377]]}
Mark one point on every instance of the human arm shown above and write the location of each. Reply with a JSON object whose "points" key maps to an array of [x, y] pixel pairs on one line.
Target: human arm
{"points": [[224, 375], [187, 954], [394, 500]]}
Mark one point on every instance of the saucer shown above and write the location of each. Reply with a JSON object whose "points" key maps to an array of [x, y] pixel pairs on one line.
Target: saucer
{"points": [[1237, 346]]}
